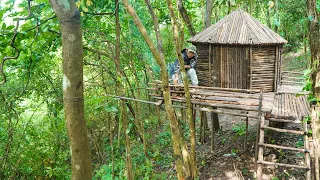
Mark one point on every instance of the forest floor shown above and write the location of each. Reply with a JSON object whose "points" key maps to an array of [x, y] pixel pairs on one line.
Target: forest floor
{"points": [[229, 161]]}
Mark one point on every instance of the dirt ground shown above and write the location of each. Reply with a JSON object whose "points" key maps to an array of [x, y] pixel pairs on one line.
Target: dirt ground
{"points": [[229, 161]]}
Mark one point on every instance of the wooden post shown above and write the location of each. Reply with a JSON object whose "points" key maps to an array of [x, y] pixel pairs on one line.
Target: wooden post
{"points": [[210, 70], [280, 65], [314, 118], [246, 140], [259, 130], [275, 85], [221, 66], [307, 154], [201, 125], [260, 151], [250, 66], [212, 133], [205, 125]]}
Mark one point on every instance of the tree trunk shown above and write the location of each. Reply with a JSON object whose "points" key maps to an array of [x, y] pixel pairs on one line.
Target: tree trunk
{"points": [[250, 7], [209, 4], [176, 30], [276, 14], [124, 118], [174, 123], [268, 18], [156, 27], [72, 52], [186, 18], [314, 41]]}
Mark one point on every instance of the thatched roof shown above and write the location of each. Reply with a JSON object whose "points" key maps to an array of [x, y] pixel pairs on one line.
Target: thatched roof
{"points": [[238, 28]]}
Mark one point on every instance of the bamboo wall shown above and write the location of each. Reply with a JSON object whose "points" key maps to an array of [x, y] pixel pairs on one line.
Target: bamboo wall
{"points": [[263, 68], [241, 67]]}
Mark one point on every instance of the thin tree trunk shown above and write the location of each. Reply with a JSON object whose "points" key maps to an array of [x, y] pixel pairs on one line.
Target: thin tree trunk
{"points": [[111, 142], [156, 27], [276, 14], [124, 118], [268, 18], [176, 30], [174, 123], [138, 119], [186, 18], [72, 49], [229, 6], [250, 7], [209, 4], [314, 41]]}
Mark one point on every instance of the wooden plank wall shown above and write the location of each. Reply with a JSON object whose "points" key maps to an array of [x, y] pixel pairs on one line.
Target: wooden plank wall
{"points": [[234, 67], [230, 66], [263, 68], [203, 64]]}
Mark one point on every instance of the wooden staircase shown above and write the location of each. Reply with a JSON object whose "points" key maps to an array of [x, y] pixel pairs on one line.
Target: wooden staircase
{"points": [[260, 162]]}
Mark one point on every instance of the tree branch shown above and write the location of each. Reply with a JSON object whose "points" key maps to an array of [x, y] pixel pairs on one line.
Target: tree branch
{"points": [[17, 51]]}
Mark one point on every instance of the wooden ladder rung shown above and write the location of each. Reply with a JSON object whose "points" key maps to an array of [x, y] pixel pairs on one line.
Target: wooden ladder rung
{"points": [[285, 121], [284, 130], [283, 165], [283, 147]]}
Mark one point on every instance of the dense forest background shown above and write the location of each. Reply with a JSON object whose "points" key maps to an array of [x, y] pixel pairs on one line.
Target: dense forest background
{"points": [[33, 137]]}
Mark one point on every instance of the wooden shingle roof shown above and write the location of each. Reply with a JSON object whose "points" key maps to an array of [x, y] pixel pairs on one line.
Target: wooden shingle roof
{"points": [[238, 27]]}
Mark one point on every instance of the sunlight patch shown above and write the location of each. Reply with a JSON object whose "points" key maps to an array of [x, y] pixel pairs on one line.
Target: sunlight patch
{"points": [[66, 82]]}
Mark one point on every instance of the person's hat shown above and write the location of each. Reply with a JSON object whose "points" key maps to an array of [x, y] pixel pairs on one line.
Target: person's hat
{"points": [[192, 48]]}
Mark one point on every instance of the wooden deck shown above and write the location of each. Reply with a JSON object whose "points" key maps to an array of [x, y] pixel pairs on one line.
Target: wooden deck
{"points": [[284, 104]]}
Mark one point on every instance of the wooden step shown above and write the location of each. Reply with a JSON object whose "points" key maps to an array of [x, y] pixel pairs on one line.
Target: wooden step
{"points": [[283, 147], [283, 165], [284, 130]]}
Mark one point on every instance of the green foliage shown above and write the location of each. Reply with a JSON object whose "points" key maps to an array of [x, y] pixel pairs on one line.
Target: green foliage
{"points": [[240, 129], [299, 144], [31, 102]]}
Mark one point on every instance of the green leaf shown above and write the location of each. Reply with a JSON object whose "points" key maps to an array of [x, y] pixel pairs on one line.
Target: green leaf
{"points": [[10, 27], [310, 18]]}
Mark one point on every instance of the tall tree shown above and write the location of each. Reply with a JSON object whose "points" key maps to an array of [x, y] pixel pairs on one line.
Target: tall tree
{"points": [[183, 169], [314, 41], [72, 53], [186, 18], [190, 160], [209, 5], [276, 14]]}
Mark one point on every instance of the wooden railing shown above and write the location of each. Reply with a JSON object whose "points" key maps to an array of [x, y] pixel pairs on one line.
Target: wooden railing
{"points": [[292, 78]]}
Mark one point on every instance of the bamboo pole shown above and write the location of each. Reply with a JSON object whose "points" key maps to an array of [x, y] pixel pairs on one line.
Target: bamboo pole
{"points": [[250, 66], [283, 147], [314, 117], [284, 130], [212, 133], [137, 100], [307, 154], [276, 70], [281, 164], [259, 130], [246, 139], [210, 71]]}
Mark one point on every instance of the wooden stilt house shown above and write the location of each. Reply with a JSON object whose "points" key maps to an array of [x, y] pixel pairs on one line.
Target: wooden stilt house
{"points": [[239, 52]]}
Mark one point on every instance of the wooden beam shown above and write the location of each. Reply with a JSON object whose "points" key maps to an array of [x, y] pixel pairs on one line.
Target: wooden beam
{"points": [[283, 147], [210, 70], [284, 130], [283, 165]]}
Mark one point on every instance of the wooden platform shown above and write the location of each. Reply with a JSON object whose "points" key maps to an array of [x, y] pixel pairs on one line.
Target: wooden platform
{"points": [[284, 104]]}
